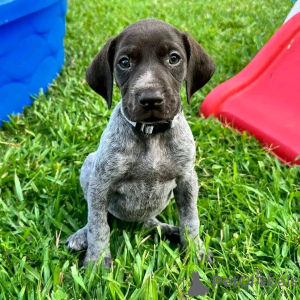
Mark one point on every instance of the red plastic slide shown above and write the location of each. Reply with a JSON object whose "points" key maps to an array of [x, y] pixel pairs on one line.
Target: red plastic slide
{"points": [[264, 98]]}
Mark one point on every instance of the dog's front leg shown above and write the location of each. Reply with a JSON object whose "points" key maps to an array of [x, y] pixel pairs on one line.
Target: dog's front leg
{"points": [[185, 195], [98, 229]]}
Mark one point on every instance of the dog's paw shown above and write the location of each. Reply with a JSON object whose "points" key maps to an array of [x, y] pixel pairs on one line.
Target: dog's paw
{"points": [[171, 232], [77, 241], [107, 260], [208, 256]]}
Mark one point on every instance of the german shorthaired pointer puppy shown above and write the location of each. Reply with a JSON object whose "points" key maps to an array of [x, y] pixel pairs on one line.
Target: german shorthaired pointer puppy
{"points": [[147, 152]]}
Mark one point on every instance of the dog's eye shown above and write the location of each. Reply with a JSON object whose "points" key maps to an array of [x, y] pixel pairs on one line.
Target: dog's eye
{"points": [[124, 63], [174, 58]]}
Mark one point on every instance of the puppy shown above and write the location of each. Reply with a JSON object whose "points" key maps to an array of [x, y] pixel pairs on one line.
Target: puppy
{"points": [[147, 152]]}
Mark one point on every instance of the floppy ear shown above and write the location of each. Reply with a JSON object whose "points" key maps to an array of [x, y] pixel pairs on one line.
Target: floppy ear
{"points": [[200, 66], [99, 74]]}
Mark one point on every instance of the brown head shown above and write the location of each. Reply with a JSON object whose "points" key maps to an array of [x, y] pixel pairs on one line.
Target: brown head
{"points": [[150, 60]]}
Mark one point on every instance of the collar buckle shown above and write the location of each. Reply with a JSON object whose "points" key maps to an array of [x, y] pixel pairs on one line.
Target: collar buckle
{"points": [[146, 128]]}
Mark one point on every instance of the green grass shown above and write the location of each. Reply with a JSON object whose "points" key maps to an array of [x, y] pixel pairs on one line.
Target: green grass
{"points": [[248, 201]]}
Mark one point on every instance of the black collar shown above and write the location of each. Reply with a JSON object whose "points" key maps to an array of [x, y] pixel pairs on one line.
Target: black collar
{"points": [[151, 128]]}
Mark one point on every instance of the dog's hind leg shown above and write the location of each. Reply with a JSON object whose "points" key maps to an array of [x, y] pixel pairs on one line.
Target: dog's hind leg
{"points": [[171, 232], [85, 173], [78, 240]]}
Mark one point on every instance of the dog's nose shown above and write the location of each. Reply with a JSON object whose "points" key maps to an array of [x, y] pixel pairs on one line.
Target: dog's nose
{"points": [[150, 99]]}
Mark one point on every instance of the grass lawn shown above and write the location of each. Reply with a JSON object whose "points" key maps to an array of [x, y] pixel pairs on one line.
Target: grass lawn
{"points": [[248, 201]]}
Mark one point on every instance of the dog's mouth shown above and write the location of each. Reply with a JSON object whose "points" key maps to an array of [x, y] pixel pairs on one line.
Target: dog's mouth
{"points": [[155, 116], [153, 119], [151, 116]]}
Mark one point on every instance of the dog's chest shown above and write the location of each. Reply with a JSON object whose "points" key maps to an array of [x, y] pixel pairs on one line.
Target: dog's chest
{"points": [[145, 189], [155, 161]]}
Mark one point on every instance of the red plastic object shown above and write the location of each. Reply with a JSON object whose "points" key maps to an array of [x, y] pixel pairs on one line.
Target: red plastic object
{"points": [[264, 98]]}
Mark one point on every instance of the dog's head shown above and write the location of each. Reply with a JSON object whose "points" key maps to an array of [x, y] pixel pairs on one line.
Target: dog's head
{"points": [[150, 59]]}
